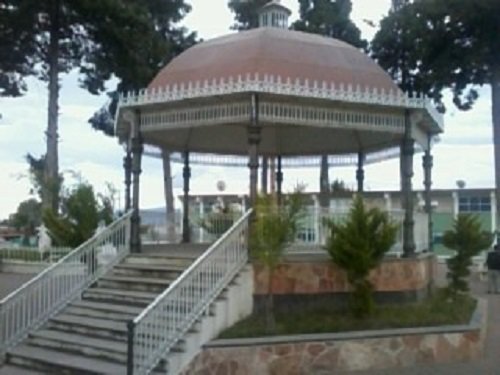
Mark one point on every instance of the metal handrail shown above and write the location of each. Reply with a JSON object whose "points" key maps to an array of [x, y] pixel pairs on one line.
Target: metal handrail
{"points": [[39, 299], [153, 333]]}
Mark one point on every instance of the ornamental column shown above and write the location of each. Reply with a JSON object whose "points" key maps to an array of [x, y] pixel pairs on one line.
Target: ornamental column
{"points": [[186, 174], [279, 182], [264, 174], [127, 168], [407, 149], [427, 162], [254, 137], [360, 172], [137, 149], [324, 182]]}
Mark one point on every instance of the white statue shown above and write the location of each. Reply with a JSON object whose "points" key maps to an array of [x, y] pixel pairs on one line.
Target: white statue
{"points": [[44, 240], [106, 252]]}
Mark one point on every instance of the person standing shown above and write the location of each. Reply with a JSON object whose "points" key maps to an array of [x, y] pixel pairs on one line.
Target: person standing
{"points": [[493, 264]]}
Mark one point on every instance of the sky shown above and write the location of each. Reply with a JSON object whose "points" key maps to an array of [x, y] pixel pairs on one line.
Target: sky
{"points": [[464, 152]]}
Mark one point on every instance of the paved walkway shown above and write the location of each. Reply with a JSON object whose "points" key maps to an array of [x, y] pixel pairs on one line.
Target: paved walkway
{"points": [[488, 365], [11, 281]]}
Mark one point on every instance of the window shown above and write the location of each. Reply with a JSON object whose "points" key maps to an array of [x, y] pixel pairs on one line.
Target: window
{"points": [[474, 204]]}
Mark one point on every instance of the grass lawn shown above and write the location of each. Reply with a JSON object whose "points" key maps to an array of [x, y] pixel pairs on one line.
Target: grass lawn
{"points": [[434, 311]]}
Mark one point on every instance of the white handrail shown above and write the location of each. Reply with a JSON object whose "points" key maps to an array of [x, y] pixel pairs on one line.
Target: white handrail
{"points": [[153, 333], [42, 297]]}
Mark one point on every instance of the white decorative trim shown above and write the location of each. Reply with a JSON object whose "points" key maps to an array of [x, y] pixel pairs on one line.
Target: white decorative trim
{"points": [[277, 85], [288, 162], [271, 112], [329, 117], [196, 116]]}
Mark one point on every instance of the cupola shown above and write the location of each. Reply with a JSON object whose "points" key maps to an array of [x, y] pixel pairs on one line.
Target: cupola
{"points": [[273, 14]]}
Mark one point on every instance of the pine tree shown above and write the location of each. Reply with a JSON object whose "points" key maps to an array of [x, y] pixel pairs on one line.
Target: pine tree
{"points": [[101, 39], [357, 246]]}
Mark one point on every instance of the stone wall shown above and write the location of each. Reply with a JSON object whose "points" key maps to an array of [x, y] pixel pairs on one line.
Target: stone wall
{"points": [[327, 353], [320, 276]]}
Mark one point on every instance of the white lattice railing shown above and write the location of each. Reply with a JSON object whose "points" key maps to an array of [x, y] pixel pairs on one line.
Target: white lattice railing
{"points": [[153, 333], [266, 83], [43, 296], [313, 229]]}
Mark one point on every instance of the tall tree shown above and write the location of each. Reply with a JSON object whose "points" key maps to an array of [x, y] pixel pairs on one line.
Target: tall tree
{"points": [[431, 45], [99, 38], [330, 18], [164, 14]]}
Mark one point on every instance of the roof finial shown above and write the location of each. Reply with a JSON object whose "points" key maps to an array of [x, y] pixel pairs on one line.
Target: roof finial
{"points": [[273, 14]]}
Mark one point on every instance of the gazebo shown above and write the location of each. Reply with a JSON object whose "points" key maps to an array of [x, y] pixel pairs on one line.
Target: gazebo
{"points": [[273, 92]]}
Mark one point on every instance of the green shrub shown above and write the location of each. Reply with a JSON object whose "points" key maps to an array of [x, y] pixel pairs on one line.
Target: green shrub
{"points": [[468, 240], [357, 245], [80, 214], [273, 230]]}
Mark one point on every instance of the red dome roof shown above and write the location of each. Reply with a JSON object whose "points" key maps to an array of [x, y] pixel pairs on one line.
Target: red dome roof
{"points": [[277, 52]]}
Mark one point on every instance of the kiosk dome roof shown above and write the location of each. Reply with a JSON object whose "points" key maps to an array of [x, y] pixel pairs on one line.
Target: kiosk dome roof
{"points": [[275, 52]]}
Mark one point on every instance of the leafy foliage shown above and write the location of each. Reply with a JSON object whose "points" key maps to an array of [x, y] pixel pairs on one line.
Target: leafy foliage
{"points": [[432, 45], [126, 39], [273, 230], [357, 246], [28, 216], [468, 239], [329, 18], [429, 45], [246, 13], [37, 177], [339, 186], [81, 211]]}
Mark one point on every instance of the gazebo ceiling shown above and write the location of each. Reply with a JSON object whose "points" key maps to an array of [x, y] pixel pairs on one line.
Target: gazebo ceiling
{"points": [[275, 52], [276, 140]]}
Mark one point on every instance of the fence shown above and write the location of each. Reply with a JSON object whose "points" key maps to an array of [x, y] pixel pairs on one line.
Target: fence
{"points": [[312, 233], [313, 228], [49, 256], [43, 296], [157, 329]]}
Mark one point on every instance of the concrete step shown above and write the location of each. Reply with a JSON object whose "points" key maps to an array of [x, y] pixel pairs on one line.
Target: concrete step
{"points": [[155, 258], [141, 284], [159, 259], [107, 307], [94, 327], [132, 298], [167, 271], [106, 349], [18, 370], [57, 362], [99, 314]]}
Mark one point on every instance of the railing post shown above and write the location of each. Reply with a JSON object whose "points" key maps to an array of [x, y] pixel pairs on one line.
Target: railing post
{"points": [[130, 347], [3, 334]]}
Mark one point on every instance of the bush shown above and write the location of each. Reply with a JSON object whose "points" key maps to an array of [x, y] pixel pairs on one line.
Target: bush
{"points": [[81, 212], [357, 246], [273, 230], [467, 239]]}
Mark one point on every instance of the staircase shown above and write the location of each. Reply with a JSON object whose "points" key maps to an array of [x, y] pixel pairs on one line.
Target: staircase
{"points": [[130, 314], [89, 336]]}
